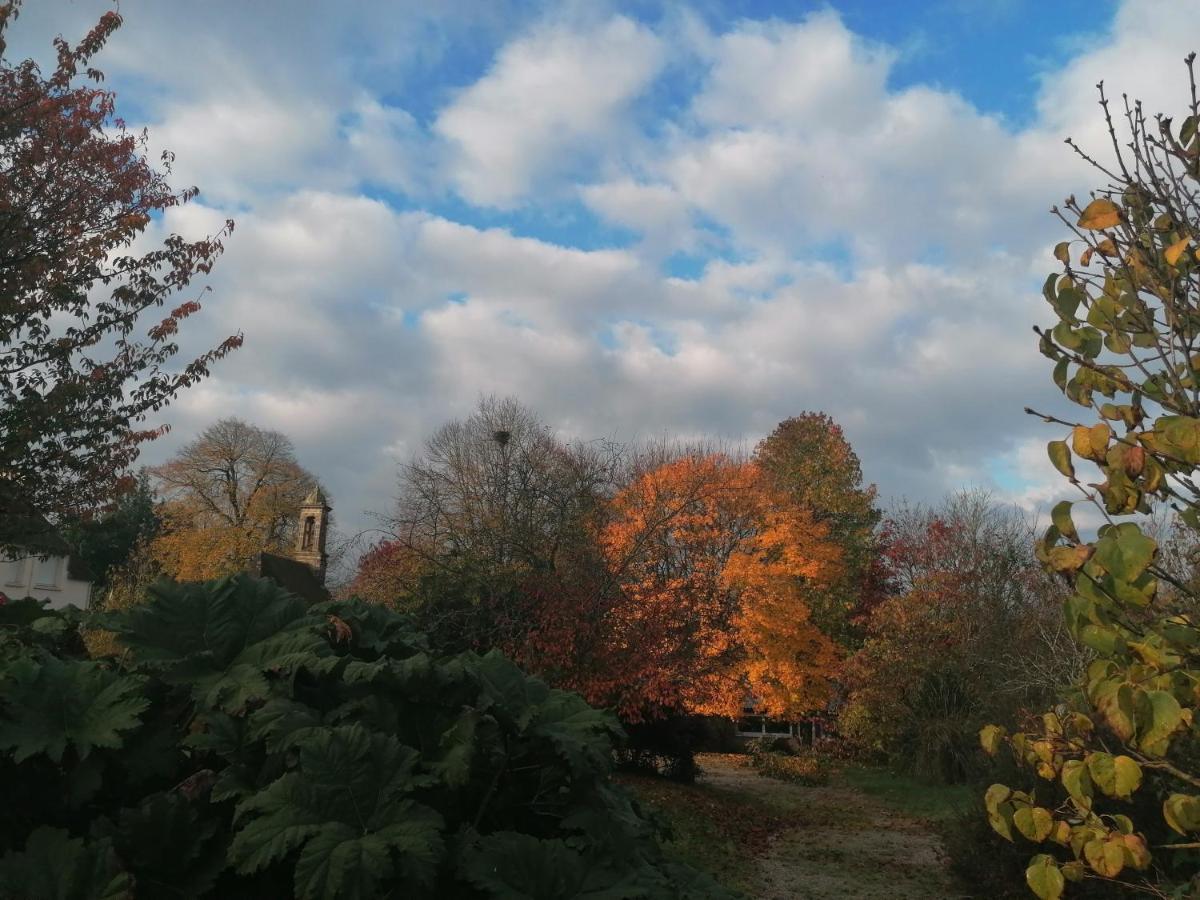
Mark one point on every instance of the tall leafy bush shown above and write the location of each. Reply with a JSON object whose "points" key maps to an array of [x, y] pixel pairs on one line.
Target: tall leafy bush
{"points": [[245, 745], [1118, 763]]}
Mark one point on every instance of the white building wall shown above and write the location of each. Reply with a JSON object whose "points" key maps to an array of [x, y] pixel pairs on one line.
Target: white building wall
{"points": [[44, 578]]}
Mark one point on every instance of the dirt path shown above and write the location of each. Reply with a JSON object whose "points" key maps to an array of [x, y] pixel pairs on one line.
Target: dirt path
{"points": [[848, 845]]}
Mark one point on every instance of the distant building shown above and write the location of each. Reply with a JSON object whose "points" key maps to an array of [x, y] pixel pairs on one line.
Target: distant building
{"points": [[303, 573], [38, 562]]}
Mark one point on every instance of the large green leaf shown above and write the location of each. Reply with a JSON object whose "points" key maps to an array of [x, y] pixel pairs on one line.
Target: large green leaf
{"points": [[458, 746], [281, 723], [1159, 715], [214, 621], [515, 695], [170, 846], [1103, 770], [582, 735], [1125, 552], [56, 866], [1060, 456], [1182, 812], [1060, 515], [1078, 781], [346, 796], [341, 861], [53, 703], [1128, 777], [1044, 878], [1034, 823], [224, 639]]}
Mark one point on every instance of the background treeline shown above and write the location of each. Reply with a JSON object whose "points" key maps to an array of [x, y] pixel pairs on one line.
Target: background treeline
{"points": [[656, 579], [666, 580], [663, 580]]}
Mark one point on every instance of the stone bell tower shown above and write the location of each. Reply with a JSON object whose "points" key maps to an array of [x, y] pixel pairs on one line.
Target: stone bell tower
{"points": [[310, 536]]}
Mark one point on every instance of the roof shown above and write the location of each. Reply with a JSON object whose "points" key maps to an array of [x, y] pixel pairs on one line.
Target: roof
{"points": [[315, 498], [21, 525], [294, 576], [24, 528]]}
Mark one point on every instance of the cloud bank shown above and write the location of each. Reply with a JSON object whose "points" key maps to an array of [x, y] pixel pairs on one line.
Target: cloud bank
{"points": [[636, 225]]}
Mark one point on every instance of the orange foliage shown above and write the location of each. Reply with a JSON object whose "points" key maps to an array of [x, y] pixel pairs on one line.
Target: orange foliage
{"points": [[689, 590], [714, 569]]}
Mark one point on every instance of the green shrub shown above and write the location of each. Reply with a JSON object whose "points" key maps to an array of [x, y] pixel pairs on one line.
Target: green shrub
{"points": [[248, 746]]}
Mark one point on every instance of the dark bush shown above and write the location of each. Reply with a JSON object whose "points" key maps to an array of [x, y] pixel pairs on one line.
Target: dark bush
{"points": [[664, 746], [245, 746], [718, 735]]}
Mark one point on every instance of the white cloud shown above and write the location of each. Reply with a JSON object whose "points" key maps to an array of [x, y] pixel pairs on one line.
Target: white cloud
{"points": [[798, 142], [815, 74], [1140, 55], [551, 96], [657, 211], [865, 250], [241, 139]]}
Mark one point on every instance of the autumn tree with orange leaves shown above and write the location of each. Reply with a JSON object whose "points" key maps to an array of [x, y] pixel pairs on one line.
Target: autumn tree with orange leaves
{"points": [[387, 573], [656, 580], [713, 568]]}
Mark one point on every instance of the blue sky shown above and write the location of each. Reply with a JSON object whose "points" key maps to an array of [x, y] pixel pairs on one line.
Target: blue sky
{"points": [[639, 218]]}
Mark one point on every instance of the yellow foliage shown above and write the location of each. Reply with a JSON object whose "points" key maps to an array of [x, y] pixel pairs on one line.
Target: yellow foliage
{"points": [[231, 494]]}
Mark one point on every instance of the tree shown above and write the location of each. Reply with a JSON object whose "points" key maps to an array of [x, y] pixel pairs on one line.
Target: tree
{"points": [[106, 540], [938, 655], [655, 581], [493, 501], [230, 494], [1126, 302], [714, 569], [808, 459], [388, 573], [81, 366]]}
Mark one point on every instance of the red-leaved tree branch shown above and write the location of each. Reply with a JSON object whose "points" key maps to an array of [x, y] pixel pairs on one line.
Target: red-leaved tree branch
{"points": [[84, 356]]}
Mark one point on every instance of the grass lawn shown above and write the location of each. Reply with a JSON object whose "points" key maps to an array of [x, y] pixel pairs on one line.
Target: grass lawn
{"points": [[911, 796]]}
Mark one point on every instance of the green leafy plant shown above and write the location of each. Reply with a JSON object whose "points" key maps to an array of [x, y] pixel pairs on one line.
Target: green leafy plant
{"points": [[1119, 790], [245, 745]]}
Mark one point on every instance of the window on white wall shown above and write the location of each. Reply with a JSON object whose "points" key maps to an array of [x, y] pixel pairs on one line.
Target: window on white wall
{"points": [[45, 571], [13, 571]]}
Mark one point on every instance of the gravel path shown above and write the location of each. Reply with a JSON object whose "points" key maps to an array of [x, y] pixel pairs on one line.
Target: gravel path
{"points": [[848, 845]]}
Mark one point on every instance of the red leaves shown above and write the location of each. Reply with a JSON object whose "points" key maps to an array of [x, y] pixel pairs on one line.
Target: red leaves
{"points": [[75, 190], [387, 572]]}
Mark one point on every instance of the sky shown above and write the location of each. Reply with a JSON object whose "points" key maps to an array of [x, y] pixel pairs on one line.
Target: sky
{"points": [[639, 218]]}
